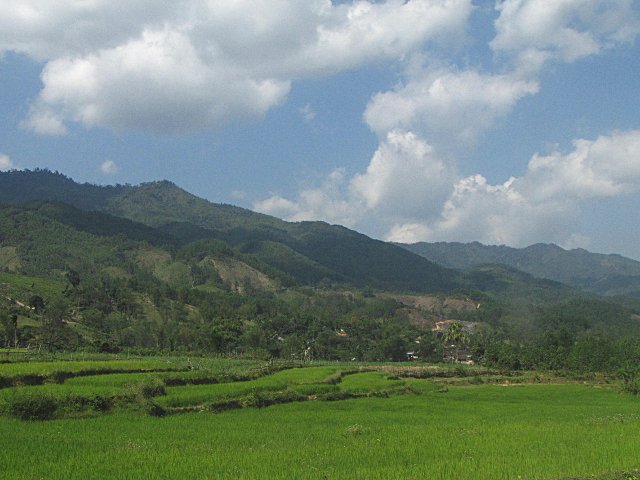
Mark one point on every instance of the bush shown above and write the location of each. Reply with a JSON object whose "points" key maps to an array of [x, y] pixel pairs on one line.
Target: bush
{"points": [[632, 386], [631, 377], [29, 406], [225, 405], [153, 387]]}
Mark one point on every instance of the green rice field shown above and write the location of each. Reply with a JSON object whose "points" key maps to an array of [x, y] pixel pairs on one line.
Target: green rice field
{"points": [[318, 422]]}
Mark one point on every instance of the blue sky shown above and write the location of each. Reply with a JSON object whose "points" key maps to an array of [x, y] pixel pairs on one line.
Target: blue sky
{"points": [[509, 122]]}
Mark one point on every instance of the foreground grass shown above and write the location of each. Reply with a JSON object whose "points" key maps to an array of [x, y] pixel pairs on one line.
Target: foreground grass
{"points": [[473, 432]]}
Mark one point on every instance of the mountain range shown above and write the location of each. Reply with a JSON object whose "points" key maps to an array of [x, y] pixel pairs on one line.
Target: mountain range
{"points": [[155, 266], [308, 252], [593, 272]]}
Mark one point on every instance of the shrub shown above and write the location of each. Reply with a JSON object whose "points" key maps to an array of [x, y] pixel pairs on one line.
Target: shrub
{"points": [[224, 406], [631, 378], [29, 406], [100, 403], [150, 388]]}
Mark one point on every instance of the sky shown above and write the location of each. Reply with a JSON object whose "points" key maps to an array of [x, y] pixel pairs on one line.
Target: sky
{"points": [[509, 122]]}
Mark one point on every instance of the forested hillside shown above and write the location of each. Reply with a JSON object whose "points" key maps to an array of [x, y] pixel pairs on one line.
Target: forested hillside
{"points": [[307, 251], [172, 271]]}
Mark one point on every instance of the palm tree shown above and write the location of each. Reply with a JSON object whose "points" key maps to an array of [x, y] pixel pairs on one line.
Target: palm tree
{"points": [[456, 335]]}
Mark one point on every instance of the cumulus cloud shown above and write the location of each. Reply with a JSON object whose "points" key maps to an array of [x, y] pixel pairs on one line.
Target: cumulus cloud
{"points": [[493, 214], [404, 179], [45, 30], [329, 201], [157, 83], [541, 205], [449, 107], [192, 64], [44, 121], [5, 163], [414, 195], [109, 167], [186, 65], [538, 30], [411, 189]]}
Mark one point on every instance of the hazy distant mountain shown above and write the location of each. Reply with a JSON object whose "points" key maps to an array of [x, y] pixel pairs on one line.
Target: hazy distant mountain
{"points": [[603, 274]]}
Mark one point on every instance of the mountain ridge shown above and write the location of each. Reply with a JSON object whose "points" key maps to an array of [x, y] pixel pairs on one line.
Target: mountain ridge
{"points": [[343, 254], [173, 270], [604, 274]]}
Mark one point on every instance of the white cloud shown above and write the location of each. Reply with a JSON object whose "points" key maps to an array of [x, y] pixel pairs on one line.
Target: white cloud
{"points": [[308, 113], [109, 167], [44, 121], [46, 30], [329, 202], [404, 178], [449, 107], [158, 83], [413, 195], [5, 163], [192, 64], [239, 194], [567, 30], [187, 65], [541, 205], [494, 214]]}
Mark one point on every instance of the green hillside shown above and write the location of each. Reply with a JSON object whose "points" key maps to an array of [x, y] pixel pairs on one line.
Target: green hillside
{"points": [[335, 253], [172, 271]]}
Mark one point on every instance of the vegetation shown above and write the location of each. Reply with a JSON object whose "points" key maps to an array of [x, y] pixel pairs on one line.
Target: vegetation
{"points": [[322, 421], [176, 216], [176, 273], [122, 304]]}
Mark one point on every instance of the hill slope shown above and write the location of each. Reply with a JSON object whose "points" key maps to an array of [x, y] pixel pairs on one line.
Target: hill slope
{"points": [[172, 270], [308, 251]]}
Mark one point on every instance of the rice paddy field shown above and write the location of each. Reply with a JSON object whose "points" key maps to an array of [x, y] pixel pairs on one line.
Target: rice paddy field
{"points": [[241, 419]]}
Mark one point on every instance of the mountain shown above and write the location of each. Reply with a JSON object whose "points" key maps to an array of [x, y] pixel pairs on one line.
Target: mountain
{"points": [[307, 251], [594, 272], [154, 267]]}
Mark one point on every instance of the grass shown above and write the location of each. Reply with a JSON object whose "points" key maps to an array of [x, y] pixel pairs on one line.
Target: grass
{"points": [[194, 395], [367, 382], [34, 373], [387, 425], [26, 285], [476, 432], [72, 388]]}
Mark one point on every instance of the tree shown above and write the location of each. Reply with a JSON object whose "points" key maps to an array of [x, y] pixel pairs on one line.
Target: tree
{"points": [[73, 277], [37, 303], [54, 333], [456, 336]]}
